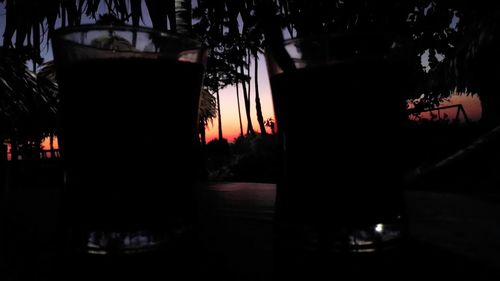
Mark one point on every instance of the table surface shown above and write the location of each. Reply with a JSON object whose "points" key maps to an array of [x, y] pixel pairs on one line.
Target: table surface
{"points": [[453, 235]]}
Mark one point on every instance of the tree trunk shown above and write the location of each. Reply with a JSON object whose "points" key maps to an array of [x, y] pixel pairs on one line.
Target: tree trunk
{"points": [[487, 73], [36, 42], [239, 107], [51, 143], [159, 11], [21, 34], [183, 16], [247, 66], [109, 6], [73, 18], [135, 12], [490, 106], [258, 107], [246, 100], [219, 118], [10, 23], [63, 17]]}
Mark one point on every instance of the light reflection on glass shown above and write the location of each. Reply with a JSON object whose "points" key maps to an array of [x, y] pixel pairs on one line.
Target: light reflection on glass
{"points": [[103, 243]]}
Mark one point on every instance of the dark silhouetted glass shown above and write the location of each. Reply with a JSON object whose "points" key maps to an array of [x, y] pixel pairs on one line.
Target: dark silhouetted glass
{"points": [[340, 110], [129, 117]]}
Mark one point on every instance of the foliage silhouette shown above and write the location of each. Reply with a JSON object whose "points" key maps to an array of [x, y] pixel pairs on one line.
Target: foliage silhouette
{"points": [[250, 158], [459, 37]]}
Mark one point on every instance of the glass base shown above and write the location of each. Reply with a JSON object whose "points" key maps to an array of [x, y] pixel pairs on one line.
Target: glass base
{"points": [[105, 243], [341, 239], [373, 238], [129, 242]]}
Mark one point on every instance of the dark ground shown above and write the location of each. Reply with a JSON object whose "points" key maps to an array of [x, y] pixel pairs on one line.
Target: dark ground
{"points": [[453, 235]]}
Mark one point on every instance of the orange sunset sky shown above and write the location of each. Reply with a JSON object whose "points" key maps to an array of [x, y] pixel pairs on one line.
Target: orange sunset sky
{"points": [[229, 106]]}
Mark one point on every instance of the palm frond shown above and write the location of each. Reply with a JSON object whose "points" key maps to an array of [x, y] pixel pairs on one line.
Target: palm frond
{"points": [[208, 107]]}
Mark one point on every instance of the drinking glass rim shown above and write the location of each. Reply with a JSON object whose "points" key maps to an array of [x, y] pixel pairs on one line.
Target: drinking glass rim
{"points": [[331, 49], [335, 35], [60, 32]]}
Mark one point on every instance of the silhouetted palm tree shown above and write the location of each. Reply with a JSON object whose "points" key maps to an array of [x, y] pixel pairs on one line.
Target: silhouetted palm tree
{"points": [[246, 102], [239, 107], [472, 66], [28, 100], [258, 107], [428, 23], [207, 112], [49, 88]]}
